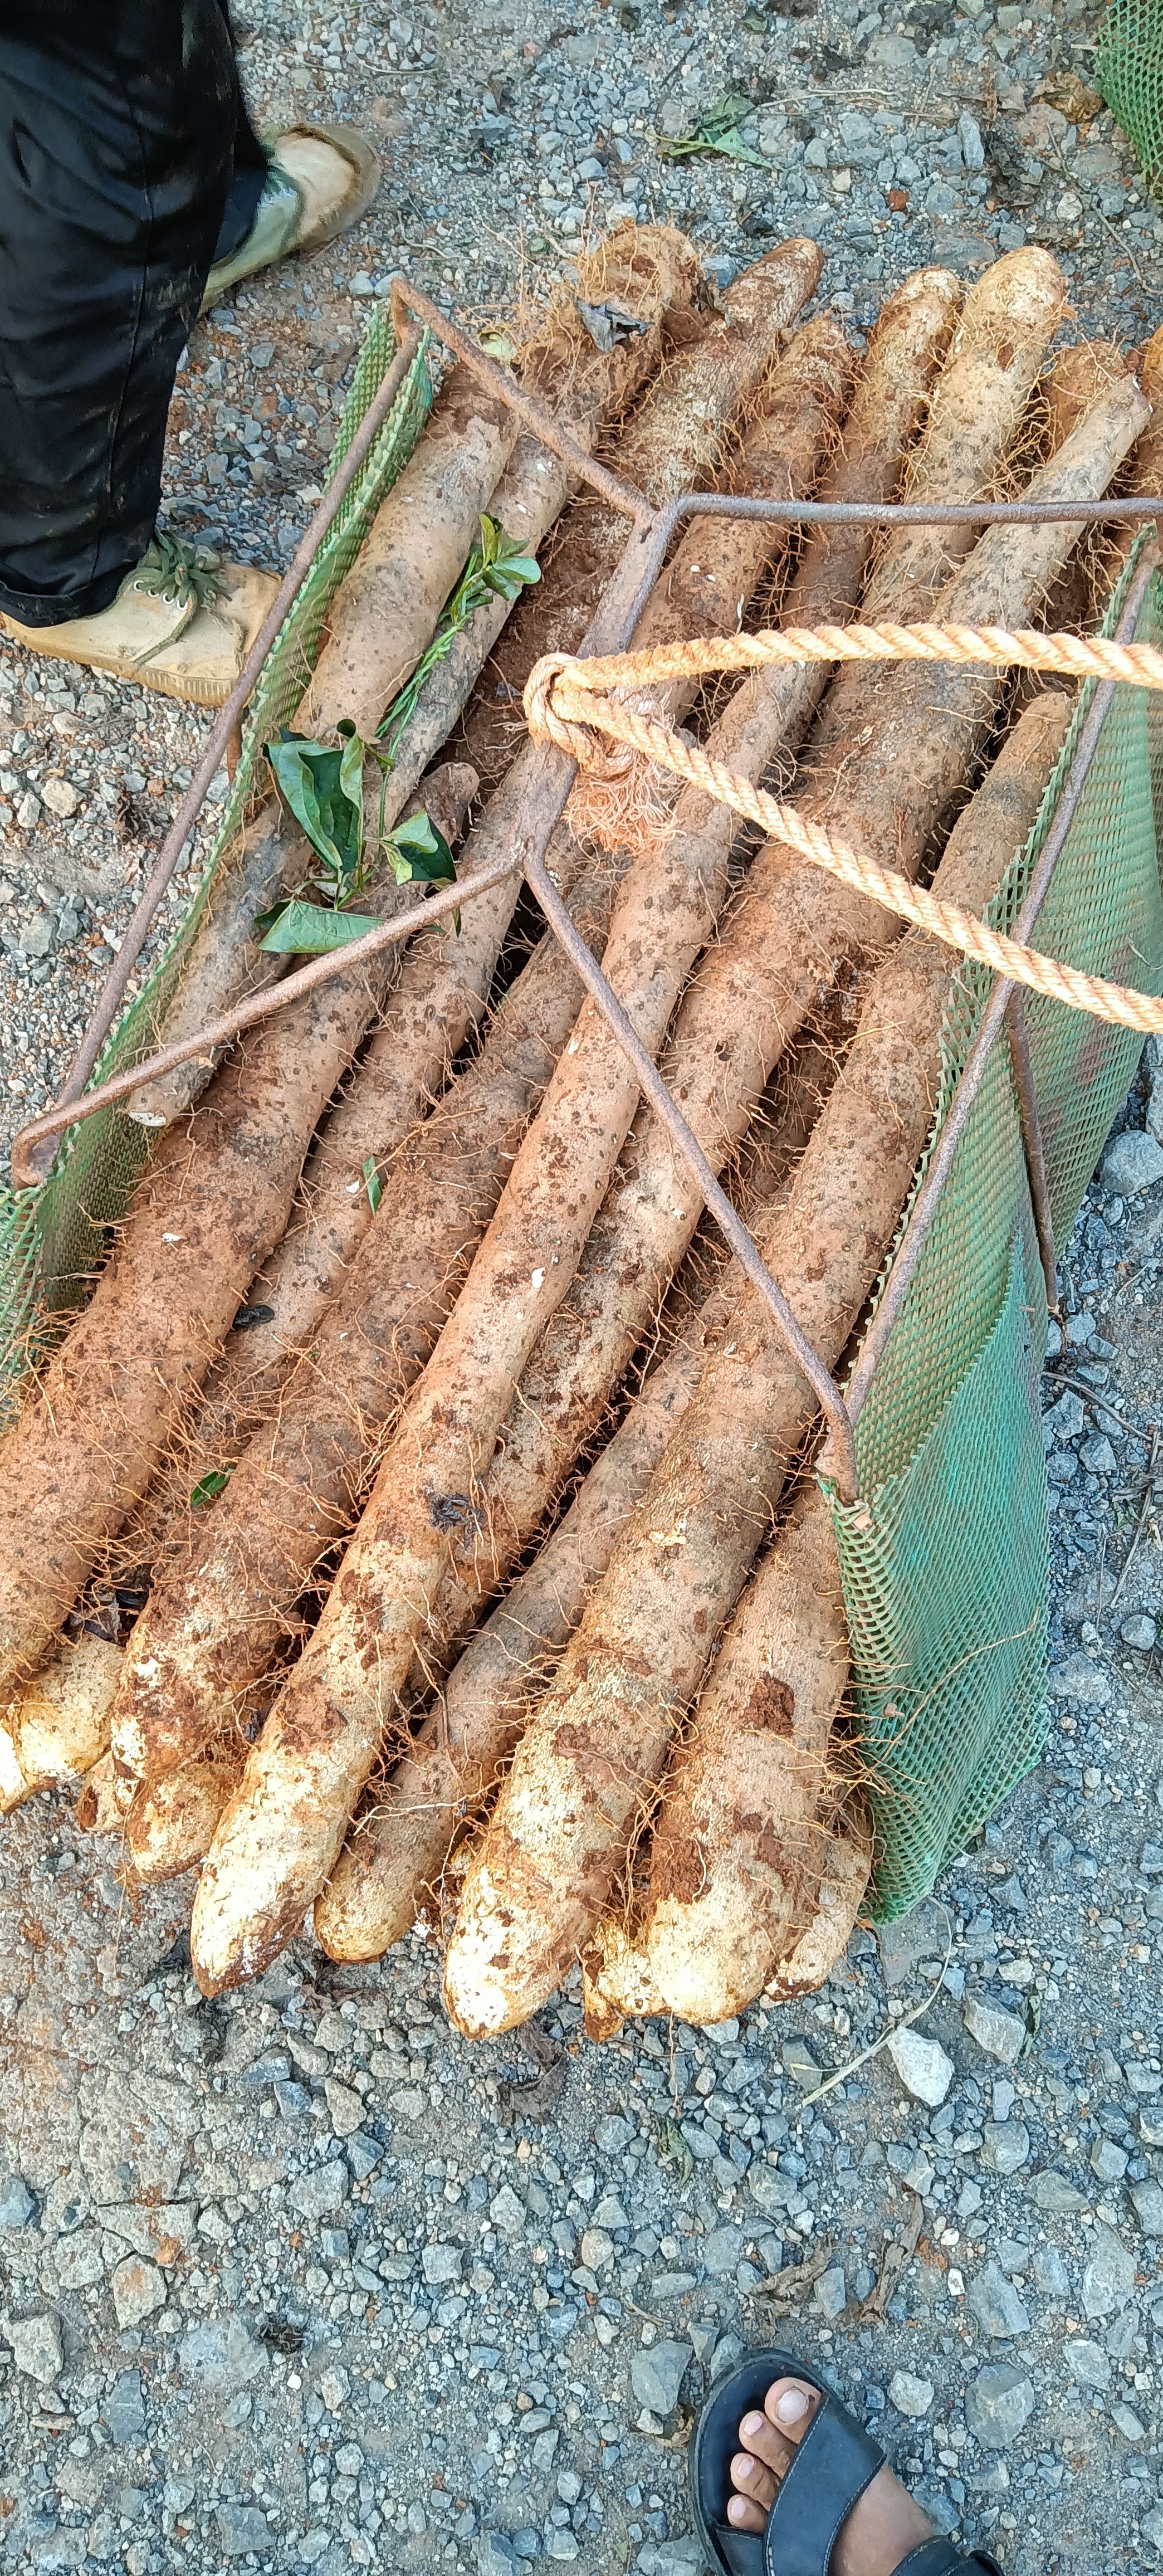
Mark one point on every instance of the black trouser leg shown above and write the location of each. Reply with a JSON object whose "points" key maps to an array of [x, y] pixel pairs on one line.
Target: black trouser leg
{"points": [[118, 121], [247, 175]]}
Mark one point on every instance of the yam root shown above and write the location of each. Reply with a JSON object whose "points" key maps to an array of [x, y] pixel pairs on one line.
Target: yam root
{"points": [[257, 1883], [334, 1205], [211, 1204], [221, 1610], [650, 1214], [102, 1802], [170, 1824], [714, 571], [616, 1982], [394, 1857], [395, 1854], [845, 1868], [1009, 319], [735, 1842], [719, 562], [59, 1726], [596, 1746], [713, 369], [648, 270]]}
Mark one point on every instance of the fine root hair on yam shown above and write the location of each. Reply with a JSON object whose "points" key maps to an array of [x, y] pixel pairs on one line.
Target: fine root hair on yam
{"points": [[58, 1727], [592, 1751]]}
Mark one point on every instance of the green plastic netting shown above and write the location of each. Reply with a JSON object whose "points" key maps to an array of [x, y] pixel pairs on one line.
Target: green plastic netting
{"points": [[52, 1238], [945, 1560], [1129, 72]]}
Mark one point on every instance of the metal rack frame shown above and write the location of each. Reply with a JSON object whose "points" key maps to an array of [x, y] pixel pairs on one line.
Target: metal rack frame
{"points": [[549, 776]]}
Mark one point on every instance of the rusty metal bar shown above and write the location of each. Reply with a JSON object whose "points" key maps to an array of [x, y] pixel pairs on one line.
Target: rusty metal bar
{"points": [[727, 1218], [928, 1196], [907, 514], [1023, 1071]]}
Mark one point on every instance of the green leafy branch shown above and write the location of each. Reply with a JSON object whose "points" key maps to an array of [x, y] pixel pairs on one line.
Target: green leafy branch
{"points": [[719, 131], [323, 786], [496, 569]]}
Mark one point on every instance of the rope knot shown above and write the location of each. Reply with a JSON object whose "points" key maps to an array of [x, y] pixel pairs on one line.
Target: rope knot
{"points": [[553, 686]]}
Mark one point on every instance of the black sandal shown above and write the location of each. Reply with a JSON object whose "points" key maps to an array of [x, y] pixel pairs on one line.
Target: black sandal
{"points": [[833, 2464]]}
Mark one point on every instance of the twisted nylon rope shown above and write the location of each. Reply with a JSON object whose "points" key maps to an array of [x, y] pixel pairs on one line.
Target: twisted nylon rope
{"points": [[566, 703]]}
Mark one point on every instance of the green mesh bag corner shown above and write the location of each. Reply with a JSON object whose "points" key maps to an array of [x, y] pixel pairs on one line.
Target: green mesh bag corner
{"points": [[945, 1558], [54, 1237], [1129, 73]]}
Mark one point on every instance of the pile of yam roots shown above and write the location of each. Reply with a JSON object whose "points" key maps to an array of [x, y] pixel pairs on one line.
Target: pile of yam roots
{"points": [[449, 1547]]}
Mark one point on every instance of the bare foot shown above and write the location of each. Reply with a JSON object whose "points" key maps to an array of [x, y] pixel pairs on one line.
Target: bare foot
{"points": [[882, 2527]]}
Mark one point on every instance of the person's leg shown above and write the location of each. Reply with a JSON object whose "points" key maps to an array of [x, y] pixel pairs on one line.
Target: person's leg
{"points": [[883, 2526], [248, 174], [116, 129]]}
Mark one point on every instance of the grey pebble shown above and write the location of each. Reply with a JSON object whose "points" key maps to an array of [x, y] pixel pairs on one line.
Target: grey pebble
{"points": [[995, 2304], [656, 2373], [17, 2206], [999, 2033], [1133, 1162], [999, 2404], [1109, 2275]]}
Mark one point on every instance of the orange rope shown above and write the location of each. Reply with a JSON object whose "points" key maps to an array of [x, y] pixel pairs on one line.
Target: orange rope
{"points": [[567, 702]]}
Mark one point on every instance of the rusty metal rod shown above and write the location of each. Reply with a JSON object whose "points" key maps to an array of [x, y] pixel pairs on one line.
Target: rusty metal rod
{"points": [[905, 514], [1018, 1035], [928, 1196], [727, 1218]]}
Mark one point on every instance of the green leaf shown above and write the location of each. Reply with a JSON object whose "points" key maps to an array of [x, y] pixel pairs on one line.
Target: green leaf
{"points": [[323, 786], [207, 1486], [417, 850], [311, 930], [375, 1187], [718, 132]]}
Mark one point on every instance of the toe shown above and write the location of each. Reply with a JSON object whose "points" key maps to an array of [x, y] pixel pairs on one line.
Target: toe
{"points": [[743, 2516], [751, 2479], [789, 2407], [759, 2436]]}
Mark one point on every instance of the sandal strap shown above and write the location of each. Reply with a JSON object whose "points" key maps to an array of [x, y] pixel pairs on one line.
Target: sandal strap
{"points": [[938, 2557], [833, 2464]]}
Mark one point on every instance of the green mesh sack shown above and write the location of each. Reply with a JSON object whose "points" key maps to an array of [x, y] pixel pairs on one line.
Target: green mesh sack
{"points": [[54, 1237], [1129, 72], [945, 1557]]}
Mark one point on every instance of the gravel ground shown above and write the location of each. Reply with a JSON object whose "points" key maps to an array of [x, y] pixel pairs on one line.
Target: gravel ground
{"points": [[299, 2280]]}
